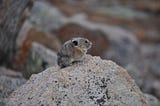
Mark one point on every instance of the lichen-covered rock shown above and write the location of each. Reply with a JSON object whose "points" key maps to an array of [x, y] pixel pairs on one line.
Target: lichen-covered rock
{"points": [[92, 82], [38, 58]]}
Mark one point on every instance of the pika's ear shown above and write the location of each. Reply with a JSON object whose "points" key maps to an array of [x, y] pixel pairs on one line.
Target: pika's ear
{"points": [[74, 42]]}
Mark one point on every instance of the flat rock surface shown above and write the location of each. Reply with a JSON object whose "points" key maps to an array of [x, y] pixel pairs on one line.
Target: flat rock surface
{"points": [[92, 82]]}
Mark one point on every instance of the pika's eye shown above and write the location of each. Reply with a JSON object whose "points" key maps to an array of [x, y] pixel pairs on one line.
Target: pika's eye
{"points": [[86, 41], [75, 43]]}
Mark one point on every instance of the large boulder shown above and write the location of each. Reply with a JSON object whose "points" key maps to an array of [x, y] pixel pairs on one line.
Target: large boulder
{"points": [[92, 82]]}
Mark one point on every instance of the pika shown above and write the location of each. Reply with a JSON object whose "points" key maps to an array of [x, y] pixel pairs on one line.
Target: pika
{"points": [[73, 51]]}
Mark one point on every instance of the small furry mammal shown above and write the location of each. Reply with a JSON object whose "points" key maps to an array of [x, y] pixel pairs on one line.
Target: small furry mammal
{"points": [[73, 51]]}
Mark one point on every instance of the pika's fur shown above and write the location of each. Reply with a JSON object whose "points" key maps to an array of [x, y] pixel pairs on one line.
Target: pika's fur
{"points": [[73, 51]]}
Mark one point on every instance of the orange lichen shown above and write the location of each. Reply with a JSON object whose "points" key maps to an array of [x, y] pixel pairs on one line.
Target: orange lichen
{"points": [[25, 47]]}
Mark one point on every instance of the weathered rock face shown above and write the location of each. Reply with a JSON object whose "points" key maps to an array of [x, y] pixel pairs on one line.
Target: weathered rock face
{"points": [[93, 82]]}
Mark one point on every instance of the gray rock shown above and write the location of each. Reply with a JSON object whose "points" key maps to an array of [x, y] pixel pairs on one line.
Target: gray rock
{"points": [[45, 16], [23, 34], [8, 72], [153, 101], [3, 101], [92, 82], [151, 54], [123, 12], [38, 59], [7, 86], [148, 75], [136, 74]]}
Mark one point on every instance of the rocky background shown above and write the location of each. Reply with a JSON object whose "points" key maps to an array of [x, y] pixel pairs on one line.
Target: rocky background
{"points": [[125, 31]]}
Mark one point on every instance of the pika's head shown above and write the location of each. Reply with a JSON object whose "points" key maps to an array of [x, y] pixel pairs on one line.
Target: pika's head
{"points": [[81, 43]]}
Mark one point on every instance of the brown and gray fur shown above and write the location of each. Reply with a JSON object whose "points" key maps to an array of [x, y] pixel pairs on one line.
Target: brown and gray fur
{"points": [[73, 51]]}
